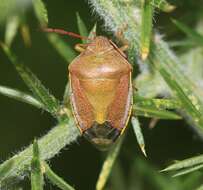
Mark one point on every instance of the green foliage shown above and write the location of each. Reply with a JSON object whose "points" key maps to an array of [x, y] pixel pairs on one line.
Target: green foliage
{"points": [[40, 92], [55, 179], [20, 96], [11, 8], [138, 134], [37, 180], [146, 27], [192, 34], [81, 26], [186, 166], [62, 47], [11, 29], [108, 165], [155, 108], [40, 12]]}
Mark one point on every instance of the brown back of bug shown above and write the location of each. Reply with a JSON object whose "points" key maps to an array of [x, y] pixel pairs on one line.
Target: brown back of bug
{"points": [[101, 91]]}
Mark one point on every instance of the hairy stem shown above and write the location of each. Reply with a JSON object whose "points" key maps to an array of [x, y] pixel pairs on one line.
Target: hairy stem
{"points": [[49, 146]]}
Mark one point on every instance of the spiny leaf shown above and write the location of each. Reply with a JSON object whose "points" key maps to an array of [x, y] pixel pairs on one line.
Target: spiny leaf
{"points": [[154, 113], [188, 170], [93, 32], [146, 27], [40, 12], [156, 108], [62, 47], [81, 26], [192, 34], [183, 88], [37, 180], [40, 92], [108, 164], [4, 169], [138, 133], [20, 96], [157, 102], [55, 179], [66, 96], [50, 145], [181, 43], [189, 162]]}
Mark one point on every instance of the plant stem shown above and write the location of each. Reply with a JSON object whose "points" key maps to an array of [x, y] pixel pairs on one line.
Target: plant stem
{"points": [[49, 145]]}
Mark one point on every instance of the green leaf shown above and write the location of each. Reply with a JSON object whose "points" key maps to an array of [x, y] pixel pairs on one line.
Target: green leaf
{"points": [[183, 89], [157, 103], [188, 170], [108, 164], [93, 32], [62, 47], [145, 173], [12, 8], [40, 12], [156, 108], [4, 169], [118, 180], [82, 28], [55, 179], [66, 96], [50, 103], [189, 162], [37, 180], [138, 133], [146, 27], [182, 43], [200, 187], [12, 25], [192, 34], [25, 33], [20, 96], [154, 113], [163, 5]]}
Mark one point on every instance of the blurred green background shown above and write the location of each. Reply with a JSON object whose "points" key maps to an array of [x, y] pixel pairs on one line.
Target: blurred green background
{"points": [[80, 163]]}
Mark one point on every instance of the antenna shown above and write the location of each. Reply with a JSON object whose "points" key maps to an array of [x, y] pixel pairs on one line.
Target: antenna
{"points": [[63, 32]]}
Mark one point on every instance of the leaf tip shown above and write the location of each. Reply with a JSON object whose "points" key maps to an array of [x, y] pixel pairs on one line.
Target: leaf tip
{"points": [[144, 53], [143, 150]]}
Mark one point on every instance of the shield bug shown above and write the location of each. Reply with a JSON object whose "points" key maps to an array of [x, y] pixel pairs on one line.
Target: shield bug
{"points": [[100, 90]]}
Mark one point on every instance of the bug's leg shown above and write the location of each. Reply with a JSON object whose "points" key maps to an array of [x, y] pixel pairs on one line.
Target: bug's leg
{"points": [[124, 47], [120, 36], [80, 47]]}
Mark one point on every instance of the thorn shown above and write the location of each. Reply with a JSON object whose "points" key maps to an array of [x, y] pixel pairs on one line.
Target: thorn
{"points": [[143, 150], [163, 170]]}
